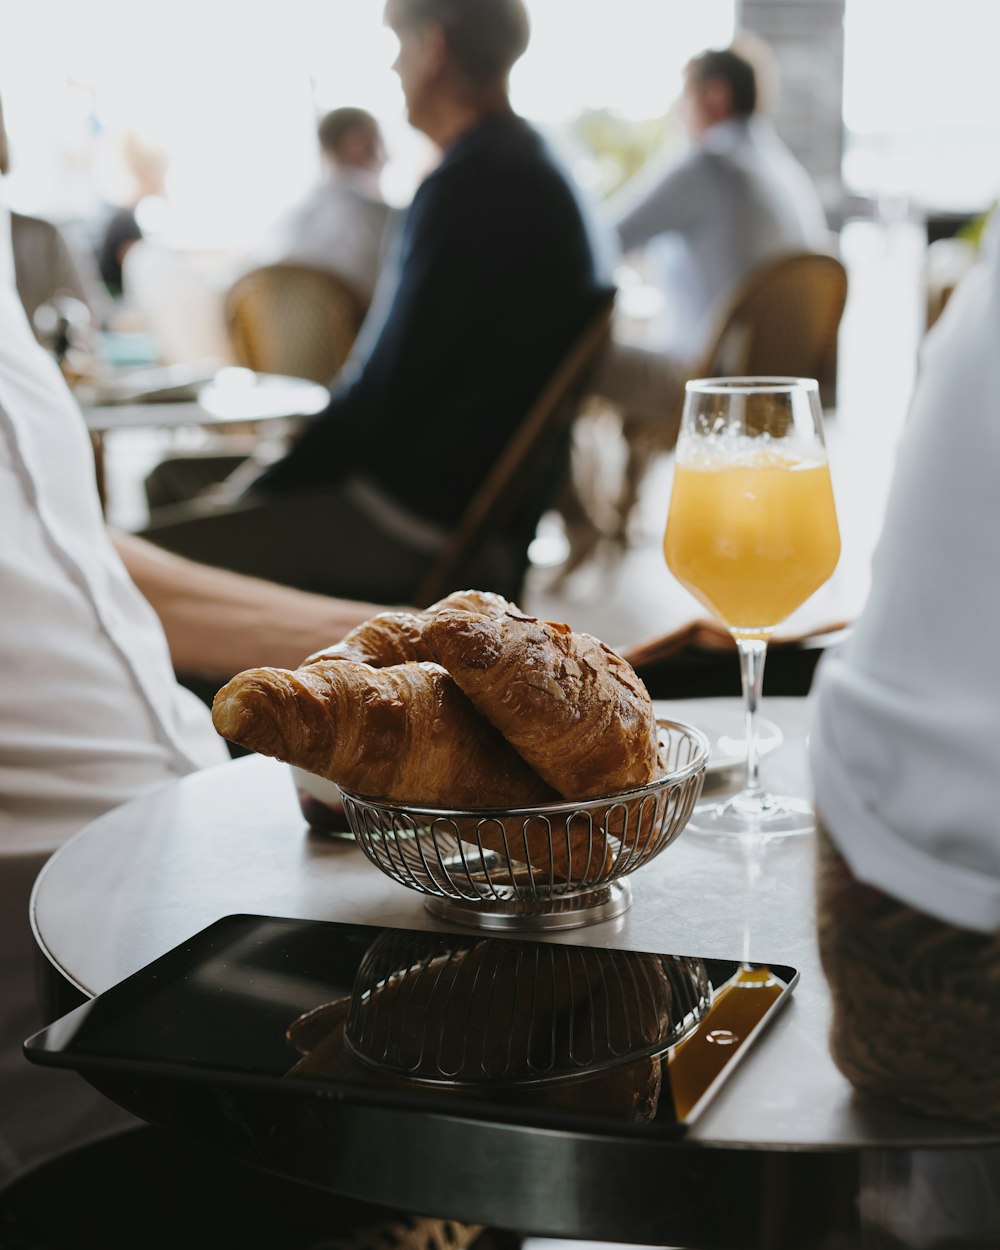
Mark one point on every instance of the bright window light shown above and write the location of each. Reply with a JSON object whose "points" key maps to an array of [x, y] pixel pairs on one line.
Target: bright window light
{"points": [[231, 89], [920, 101]]}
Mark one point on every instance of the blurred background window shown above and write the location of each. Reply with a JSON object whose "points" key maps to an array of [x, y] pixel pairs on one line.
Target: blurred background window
{"points": [[230, 92], [920, 104]]}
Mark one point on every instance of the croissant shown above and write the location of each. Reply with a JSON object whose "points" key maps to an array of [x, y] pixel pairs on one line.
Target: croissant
{"points": [[404, 732], [395, 637], [572, 707], [482, 602], [382, 640]]}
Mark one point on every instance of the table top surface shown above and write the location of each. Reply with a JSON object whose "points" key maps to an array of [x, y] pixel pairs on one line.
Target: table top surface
{"points": [[235, 395], [232, 839]]}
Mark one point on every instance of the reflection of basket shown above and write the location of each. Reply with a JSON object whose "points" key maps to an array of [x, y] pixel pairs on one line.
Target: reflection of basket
{"points": [[464, 1010], [552, 866]]}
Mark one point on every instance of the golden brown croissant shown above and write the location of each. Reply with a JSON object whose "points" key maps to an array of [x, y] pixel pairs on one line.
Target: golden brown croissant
{"points": [[572, 707], [482, 602], [382, 640], [395, 637], [405, 732]]}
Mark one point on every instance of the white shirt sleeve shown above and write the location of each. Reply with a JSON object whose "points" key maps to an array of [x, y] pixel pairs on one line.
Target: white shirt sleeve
{"points": [[90, 711], [673, 203], [906, 741]]}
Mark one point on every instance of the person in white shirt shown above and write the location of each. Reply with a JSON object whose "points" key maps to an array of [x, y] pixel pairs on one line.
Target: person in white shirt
{"points": [[905, 756], [737, 198], [92, 628], [342, 224]]}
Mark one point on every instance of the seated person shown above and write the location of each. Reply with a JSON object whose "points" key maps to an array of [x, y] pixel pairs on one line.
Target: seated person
{"points": [[341, 226], [735, 199], [90, 712], [904, 760], [492, 278], [90, 716], [146, 167], [120, 231], [43, 265]]}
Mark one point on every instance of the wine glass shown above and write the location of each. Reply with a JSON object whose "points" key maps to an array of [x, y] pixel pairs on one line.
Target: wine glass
{"points": [[752, 532]]}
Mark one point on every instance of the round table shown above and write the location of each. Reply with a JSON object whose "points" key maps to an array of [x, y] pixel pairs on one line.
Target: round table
{"points": [[235, 397], [148, 875]]}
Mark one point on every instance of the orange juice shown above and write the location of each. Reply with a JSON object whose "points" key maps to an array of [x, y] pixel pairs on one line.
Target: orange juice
{"points": [[753, 536]]}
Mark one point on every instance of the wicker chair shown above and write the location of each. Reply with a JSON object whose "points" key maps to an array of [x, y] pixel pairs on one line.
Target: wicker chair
{"points": [[783, 321], [292, 320], [526, 480]]}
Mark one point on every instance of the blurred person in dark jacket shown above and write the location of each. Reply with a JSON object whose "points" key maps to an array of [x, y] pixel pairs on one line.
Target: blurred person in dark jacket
{"points": [[490, 279]]}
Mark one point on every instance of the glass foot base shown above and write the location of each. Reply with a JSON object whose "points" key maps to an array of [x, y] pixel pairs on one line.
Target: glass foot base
{"points": [[754, 816]]}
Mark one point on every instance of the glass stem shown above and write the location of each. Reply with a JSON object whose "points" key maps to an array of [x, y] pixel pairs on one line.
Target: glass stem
{"points": [[753, 652]]}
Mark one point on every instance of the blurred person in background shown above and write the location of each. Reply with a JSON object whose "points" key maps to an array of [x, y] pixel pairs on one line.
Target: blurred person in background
{"points": [[36, 260], [737, 198], [146, 168], [341, 225], [93, 627], [490, 279]]}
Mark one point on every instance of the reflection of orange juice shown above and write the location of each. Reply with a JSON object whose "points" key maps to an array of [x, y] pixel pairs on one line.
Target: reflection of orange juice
{"points": [[737, 1008], [752, 537]]}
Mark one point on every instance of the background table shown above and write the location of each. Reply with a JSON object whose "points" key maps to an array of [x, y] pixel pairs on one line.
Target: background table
{"points": [[147, 876], [237, 397]]}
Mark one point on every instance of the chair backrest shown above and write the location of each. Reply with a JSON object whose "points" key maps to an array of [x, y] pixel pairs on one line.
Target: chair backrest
{"points": [[783, 320], [527, 476], [293, 320]]}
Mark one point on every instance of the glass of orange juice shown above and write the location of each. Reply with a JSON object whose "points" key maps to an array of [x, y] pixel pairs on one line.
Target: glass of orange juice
{"points": [[752, 532]]}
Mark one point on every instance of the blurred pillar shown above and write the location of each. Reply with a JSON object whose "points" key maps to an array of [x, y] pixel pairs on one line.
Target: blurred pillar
{"points": [[805, 39]]}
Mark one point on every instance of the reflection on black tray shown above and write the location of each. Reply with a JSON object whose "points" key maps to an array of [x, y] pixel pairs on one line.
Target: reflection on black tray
{"points": [[532, 1031], [519, 1022]]}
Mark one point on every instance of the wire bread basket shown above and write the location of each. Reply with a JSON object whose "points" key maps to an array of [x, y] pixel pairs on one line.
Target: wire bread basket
{"points": [[559, 865], [469, 1011]]}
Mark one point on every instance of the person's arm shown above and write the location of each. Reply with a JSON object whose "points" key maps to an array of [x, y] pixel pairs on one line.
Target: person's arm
{"points": [[218, 623], [915, 1001], [903, 751], [672, 204]]}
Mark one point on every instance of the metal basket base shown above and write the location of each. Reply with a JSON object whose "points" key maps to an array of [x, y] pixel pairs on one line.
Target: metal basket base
{"points": [[571, 911]]}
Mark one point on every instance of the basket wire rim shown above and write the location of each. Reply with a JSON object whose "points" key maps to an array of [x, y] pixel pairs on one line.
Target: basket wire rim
{"points": [[560, 806]]}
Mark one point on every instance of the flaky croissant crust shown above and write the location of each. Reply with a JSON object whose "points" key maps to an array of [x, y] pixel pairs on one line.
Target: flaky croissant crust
{"points": [[405, 733], [573, 708], [396, 637]]}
